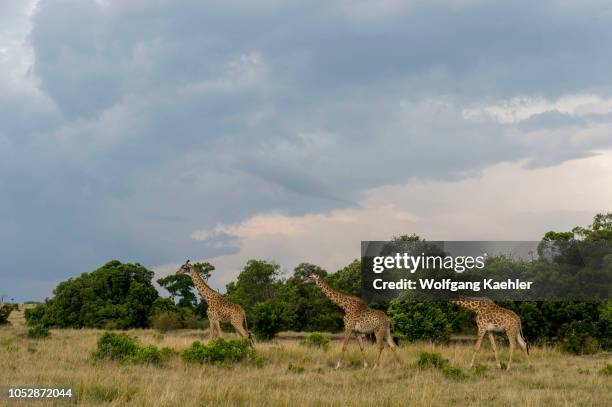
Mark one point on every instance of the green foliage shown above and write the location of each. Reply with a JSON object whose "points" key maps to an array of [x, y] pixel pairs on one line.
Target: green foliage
{"points": [[414, 321], [580, 337], [116, 346], [429, 359], [5, 311], [116, 296], [295, 368], [257, 282], [453, 372], [181, 288], [607, 371], [218, 351], [318, 340], [124, 348], [478, 369], [271, 317], [38, 331], [148, 354], [348, 279], [313, 311]]}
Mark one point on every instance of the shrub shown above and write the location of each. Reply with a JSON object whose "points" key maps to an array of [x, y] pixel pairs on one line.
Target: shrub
{"points": [[317, 339], [166, 321], [414, 321], [218, 351], [452, 372], [271, 317], [148, 354], [607, 371], [116, 346], [427, 359], [579, 337], [38, 331], [5, 311], [478, 369]]}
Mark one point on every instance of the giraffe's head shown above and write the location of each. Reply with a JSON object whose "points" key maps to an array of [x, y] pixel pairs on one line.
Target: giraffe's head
{"points": [[310, 278], [185, 268]]}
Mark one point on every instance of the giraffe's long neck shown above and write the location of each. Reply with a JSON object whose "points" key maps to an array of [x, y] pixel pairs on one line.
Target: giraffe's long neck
{"points": [[340, 299], [206, 292]]}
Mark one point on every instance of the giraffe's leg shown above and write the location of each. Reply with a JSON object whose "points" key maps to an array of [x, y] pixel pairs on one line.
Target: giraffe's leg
{"points": [[481, 333], [217, 329], [380, 336], [239, 328], [211, 328], [494, 347], [512, 342], [348, 331], [360, 341]]}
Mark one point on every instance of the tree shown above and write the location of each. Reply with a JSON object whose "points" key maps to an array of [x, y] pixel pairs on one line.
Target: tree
{"points": [[257, 282], [5, 311], [117, 295], [313, 311], [181, 286]]}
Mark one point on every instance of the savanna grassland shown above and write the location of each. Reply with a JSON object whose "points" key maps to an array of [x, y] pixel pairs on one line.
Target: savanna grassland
{"points": [[296, 375]]}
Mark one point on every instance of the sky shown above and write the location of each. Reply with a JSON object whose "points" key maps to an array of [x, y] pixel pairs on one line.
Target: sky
{"points": [[156, 131]]}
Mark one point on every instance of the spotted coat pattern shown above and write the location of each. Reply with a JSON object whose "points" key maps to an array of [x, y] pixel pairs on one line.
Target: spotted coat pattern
{"points": [[359, 319], [220, 309], [491, 317]]}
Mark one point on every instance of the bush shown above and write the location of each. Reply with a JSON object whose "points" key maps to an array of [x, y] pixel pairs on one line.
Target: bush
{"points": [[116, 346], [218, 351], [580, 337], [38, 331], [414, 321], [124, 348], [271, 317], [452, 372], [427, 359], [166, 321], [148, 354], [5, 311], [317, 339]]}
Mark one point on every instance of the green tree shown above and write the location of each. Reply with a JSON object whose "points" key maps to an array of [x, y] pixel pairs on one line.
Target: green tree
{"points": [[313, 311], [117, 295], [257, 282]]}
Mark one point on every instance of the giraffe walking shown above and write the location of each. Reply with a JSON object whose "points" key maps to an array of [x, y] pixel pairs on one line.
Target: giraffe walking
{"points": [[220, 309], [359, 319], [491, 317]]}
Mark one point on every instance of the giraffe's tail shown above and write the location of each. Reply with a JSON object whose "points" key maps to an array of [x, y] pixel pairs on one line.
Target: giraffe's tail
{"points": [[521, 338], [251, 341]]}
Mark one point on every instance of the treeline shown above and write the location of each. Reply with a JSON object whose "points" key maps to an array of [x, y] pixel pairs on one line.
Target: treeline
{"points": [[122, 296]]}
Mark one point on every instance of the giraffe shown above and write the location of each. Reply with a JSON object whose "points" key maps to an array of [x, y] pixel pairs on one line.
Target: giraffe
{"points": [[491, 317], [359, 319], [220, 309]]}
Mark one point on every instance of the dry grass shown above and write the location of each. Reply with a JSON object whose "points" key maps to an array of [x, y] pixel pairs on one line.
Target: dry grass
{"points": [[553, 379]]}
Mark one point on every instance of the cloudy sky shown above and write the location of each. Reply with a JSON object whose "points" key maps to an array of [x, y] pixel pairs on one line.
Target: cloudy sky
{"points": [[155, 131]]}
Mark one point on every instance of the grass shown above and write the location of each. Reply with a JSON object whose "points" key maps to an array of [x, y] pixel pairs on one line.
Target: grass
{"points": [[295, 374]]}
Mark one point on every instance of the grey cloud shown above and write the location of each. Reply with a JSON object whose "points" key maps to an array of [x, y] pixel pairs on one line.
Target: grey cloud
{"points": [[171, 118]]}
